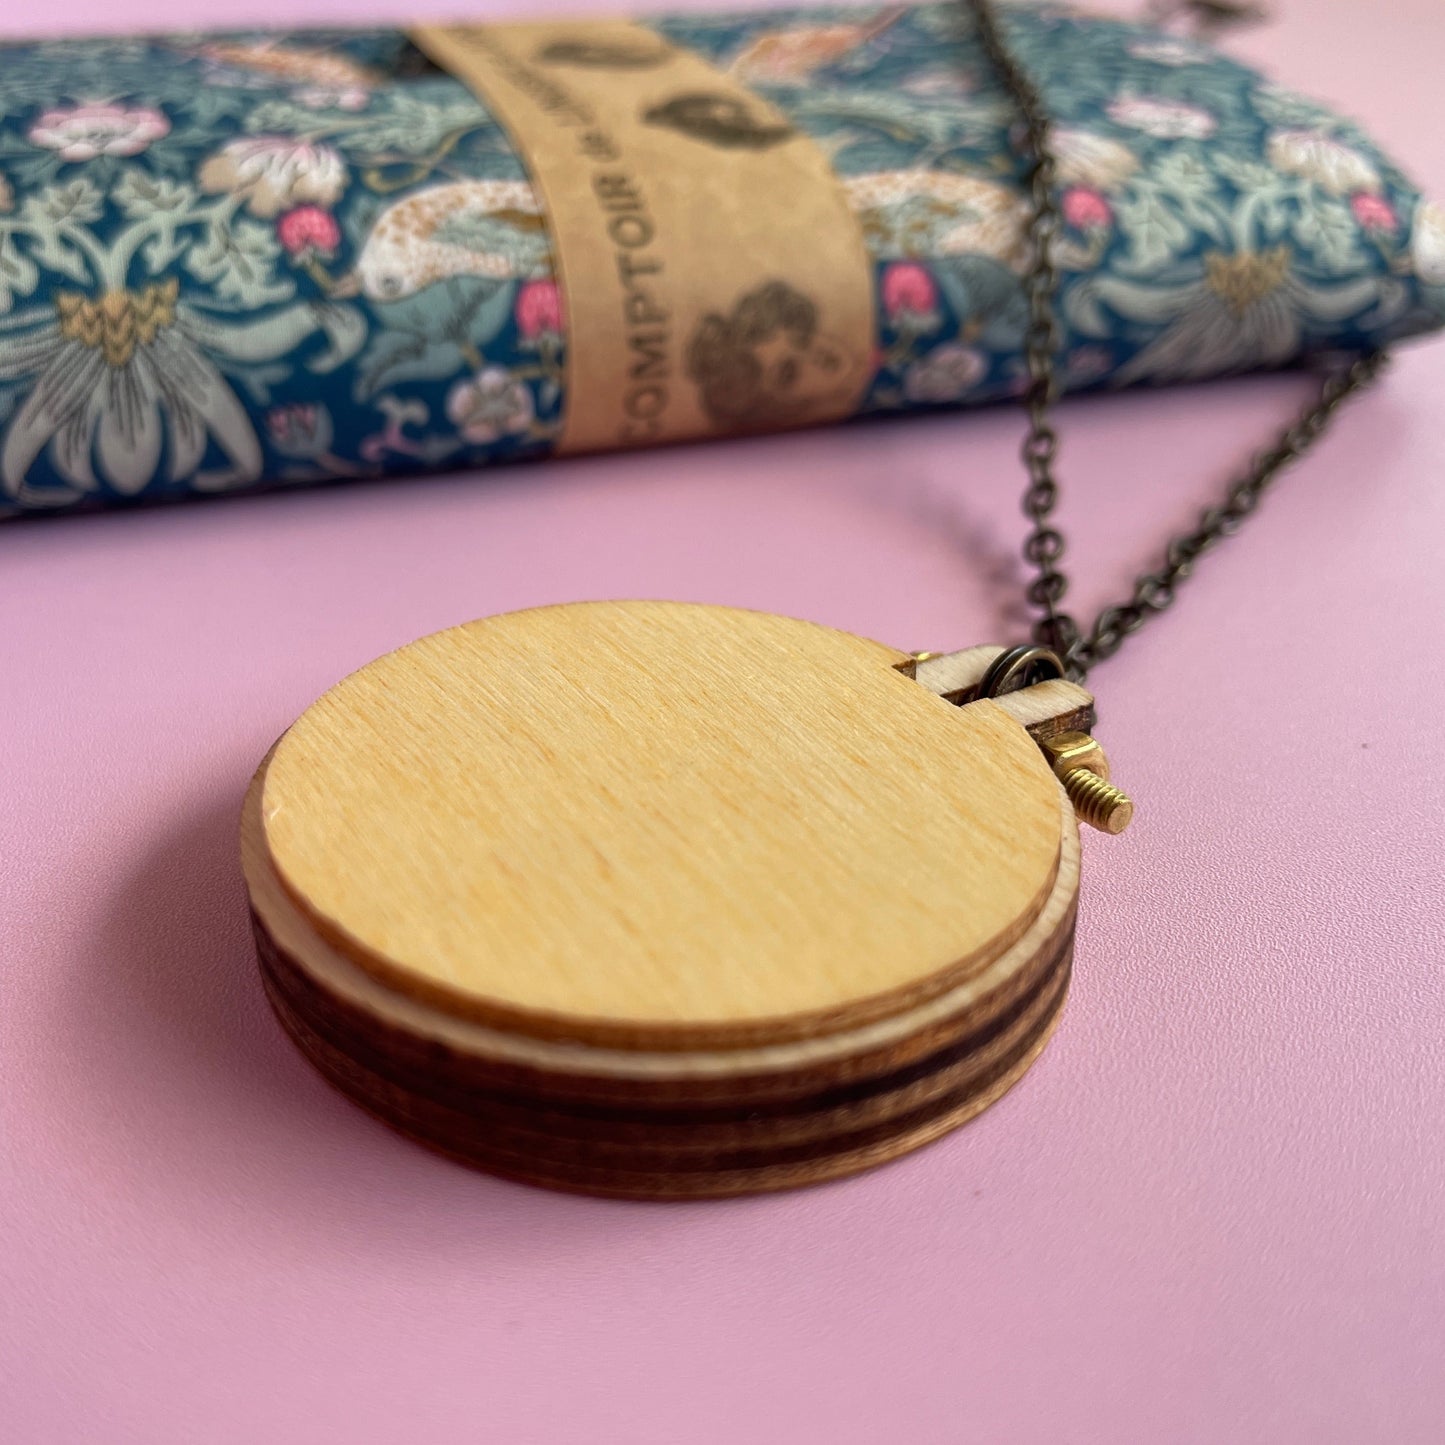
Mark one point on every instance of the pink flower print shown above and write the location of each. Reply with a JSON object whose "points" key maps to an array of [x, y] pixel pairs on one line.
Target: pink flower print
{"points": [[83, 132], [1374, 213], [300, 429], [908, 291], [320, 97], [947, 374], [307, 231], [910, 301], [539, 310], [1086, 209], [1085, 364]]}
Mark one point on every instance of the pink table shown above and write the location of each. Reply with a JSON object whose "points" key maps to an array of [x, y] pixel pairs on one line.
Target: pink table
{"points": [[1214, 1213]]}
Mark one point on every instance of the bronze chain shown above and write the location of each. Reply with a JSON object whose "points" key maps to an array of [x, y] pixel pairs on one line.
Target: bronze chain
{"points": [[1044, 547]]}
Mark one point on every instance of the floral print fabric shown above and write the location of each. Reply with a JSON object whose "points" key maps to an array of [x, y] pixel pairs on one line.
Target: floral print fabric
{"points": [[229, 261]]}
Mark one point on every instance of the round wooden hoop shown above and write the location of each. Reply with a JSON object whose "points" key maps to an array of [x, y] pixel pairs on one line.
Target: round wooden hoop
{"points": [[572, 822], [674, 1111], [624, 1124]]}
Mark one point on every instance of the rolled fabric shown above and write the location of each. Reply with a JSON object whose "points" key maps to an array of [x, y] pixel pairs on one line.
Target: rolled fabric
{"points": [[287, 258]]}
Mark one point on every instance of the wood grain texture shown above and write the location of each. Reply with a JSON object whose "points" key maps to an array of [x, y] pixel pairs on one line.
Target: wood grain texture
{"points": [[714, 1093], [374, 1011], [790, 1114], [464, 1136], [671, 1131], [758, 825]]}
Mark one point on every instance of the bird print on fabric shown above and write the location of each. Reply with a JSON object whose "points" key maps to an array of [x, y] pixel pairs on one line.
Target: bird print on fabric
{"points": [[487, 229]]}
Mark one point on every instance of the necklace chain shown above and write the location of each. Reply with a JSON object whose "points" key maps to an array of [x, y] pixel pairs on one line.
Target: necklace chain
{"points": [[1044, 547]]}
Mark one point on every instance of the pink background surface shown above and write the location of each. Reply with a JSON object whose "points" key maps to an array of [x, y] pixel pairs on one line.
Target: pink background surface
{"points": [[1215, 1212]]}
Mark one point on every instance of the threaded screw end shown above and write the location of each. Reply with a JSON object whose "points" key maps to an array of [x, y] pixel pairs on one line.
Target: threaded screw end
{"points": [[1099, 804]]}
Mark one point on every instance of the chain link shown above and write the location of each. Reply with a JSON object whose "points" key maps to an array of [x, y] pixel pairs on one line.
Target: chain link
{"points": [[1045, 545]]}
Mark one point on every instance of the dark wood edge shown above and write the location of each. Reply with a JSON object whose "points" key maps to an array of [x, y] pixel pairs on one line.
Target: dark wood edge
{"points": [[423, 1065], [666, 1128], [737, 1172]]}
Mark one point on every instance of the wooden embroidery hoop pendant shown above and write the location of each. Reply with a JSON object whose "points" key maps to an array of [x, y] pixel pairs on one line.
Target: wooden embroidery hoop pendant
{"points": [[656, 900]]}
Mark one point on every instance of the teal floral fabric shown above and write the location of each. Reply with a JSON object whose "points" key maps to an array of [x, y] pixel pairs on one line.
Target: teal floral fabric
{"points": [[229, 261]]}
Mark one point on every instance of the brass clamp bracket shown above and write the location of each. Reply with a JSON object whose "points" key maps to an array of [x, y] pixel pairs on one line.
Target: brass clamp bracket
{"points": [[1029, 682]]}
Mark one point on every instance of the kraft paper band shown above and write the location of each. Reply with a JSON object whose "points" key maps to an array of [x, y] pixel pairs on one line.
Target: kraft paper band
{"points": [[714, 277]]}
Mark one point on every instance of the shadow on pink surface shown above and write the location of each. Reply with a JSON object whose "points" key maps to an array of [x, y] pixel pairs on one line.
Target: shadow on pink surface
{"points": [[221, 1103]]}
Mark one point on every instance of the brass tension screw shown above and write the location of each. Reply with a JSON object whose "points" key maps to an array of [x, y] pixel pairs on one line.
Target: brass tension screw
{"points": [[1080, 765]]}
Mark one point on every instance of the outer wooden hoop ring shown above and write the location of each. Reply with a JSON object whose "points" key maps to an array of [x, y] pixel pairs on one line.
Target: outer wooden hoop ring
{"points": [[670, 1125], [570, 823]]}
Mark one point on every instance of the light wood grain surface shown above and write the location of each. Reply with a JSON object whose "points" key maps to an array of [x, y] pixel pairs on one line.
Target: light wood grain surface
{"points": [[330, 983], [660, 824]]}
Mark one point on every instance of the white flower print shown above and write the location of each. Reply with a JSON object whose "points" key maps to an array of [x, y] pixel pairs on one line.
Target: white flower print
{"points": [[1161, 118], [1169, 50], [946, 374], [116, 376], [274, 173], [83, 132], [490, 406], [1336, 168], [127, 382], [1086, 159], [1248, 309]]}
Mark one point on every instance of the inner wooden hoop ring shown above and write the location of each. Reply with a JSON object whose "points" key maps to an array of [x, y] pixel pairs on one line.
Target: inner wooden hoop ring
{"points": [[559, 1068]]}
